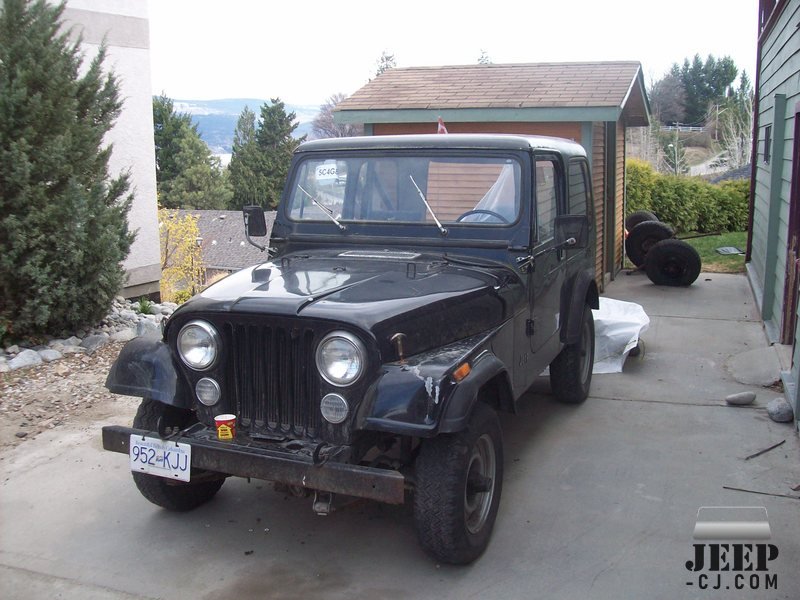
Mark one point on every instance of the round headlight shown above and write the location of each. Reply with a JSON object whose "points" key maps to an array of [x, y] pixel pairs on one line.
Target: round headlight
{"points": [[340, 358], [198, 345]]}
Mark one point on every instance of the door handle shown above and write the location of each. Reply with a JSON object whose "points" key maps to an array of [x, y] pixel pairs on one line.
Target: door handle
{"points": [[525, 263]]}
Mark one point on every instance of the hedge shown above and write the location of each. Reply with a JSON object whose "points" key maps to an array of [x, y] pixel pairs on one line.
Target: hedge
{"points": [[687, 203]]}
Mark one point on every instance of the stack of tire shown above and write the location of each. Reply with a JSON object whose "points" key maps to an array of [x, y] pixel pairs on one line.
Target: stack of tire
{"points": [[651, 245]]}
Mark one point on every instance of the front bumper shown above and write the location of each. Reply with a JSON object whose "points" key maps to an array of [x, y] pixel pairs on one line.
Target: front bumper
{"points": [[232, 458]]}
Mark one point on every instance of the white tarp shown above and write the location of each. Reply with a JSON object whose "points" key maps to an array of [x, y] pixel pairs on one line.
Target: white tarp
{"points": [[617, 327]]}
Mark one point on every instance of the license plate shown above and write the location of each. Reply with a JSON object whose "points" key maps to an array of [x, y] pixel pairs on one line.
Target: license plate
{"points": [[163, 458]]}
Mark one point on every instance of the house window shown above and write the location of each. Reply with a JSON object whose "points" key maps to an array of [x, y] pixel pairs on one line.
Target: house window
{"points": [[767, 142]]}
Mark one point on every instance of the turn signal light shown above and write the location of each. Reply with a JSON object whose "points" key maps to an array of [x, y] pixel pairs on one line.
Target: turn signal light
{"points": [[462, 372]]}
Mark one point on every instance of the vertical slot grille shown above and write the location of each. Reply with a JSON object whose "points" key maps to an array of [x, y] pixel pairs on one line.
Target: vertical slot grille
{"points": [[272, 375]]}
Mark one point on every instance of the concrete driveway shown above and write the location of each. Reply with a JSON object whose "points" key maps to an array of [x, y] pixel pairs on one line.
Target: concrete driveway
{"points": [[599, 501]]}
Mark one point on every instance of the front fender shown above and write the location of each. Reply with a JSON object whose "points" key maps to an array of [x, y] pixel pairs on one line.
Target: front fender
{"points": [[144, 368], [420, 397]]}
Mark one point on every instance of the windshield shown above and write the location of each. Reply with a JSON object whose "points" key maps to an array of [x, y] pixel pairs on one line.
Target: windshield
{"points": [[436, 189]]}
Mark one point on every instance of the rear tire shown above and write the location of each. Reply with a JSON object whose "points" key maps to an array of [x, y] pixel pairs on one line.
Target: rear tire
{"points": [[459, 478], [172, 495], [571, 370], [674, 263], [639, 216], [643, 237]]}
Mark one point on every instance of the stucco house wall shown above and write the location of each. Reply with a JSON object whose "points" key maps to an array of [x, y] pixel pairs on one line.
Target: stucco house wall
{"points": [[123, 24]]}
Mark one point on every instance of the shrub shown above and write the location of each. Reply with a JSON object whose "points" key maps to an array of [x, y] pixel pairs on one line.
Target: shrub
{"points": [[673, 203], [640, 181], [63, 227], [735, 201], [687, 203]]}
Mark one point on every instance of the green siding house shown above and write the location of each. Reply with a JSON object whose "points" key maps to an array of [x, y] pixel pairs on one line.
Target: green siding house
{"points": [[773, 250]]}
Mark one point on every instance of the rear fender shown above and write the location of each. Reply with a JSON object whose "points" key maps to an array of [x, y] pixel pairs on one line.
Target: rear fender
{"points": [[144, 368]]}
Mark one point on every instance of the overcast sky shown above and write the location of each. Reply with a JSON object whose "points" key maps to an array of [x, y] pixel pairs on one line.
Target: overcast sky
{"points": [[305, 51]]}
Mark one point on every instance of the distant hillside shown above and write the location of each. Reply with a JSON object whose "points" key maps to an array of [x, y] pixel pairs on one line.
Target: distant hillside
{"points": [[216, 119]]}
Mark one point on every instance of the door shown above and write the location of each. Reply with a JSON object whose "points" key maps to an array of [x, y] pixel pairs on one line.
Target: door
{"points": [[547, 272]]}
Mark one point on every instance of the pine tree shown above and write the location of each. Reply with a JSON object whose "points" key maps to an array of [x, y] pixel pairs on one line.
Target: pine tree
{"points": [[170, 127], [247, 177], [187, 175], [63, 227], [200, 182], [275, 145]]}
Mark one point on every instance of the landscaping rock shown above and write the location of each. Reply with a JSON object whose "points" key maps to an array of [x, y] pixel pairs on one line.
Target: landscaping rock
{"points": [[26, 358], [72, 350], [741, 399], [123, 335], [146, 326], [780, 411], [72, 341], [49, 354], [12, 349], [94, 342]]}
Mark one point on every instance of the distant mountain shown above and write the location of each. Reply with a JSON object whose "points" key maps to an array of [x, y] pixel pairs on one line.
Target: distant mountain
{"points": [[216, 119]]}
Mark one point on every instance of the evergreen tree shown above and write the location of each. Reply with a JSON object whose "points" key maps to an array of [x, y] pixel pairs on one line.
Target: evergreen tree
{"points": [[385, 62], [275, 146], [705, 84], [169, 127], [63, 227], [187, 175], [247, 176], [200, 182]]}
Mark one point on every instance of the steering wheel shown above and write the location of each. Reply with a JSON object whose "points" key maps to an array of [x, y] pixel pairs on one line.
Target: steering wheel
{"points": [[481, 211]]}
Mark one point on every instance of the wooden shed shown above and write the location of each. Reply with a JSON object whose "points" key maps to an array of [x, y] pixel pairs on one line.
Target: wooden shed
{"points": [[592, 103]]}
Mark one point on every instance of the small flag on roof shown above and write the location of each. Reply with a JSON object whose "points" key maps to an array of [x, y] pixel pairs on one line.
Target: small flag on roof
{"points": [[441, 128]]}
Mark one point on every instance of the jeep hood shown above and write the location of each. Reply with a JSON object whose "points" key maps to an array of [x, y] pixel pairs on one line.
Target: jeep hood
{"points": [[431, 300]]}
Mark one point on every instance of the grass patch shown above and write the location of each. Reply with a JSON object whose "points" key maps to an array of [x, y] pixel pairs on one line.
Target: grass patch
{"points": [[713, 262]]}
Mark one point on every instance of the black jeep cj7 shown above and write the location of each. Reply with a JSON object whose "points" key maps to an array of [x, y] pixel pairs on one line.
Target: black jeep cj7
{"points": [[419, 285]]}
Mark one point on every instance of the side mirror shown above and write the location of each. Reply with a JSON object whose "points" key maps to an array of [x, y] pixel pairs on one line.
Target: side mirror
{"points": [[254, 222], [572, 232]]}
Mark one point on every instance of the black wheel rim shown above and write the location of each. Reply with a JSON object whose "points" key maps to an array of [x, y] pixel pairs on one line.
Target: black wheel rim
{"points": [[673, 269], [584, 351], [479, 487]]}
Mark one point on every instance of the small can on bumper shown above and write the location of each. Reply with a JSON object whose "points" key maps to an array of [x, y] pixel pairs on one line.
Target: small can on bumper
{"points": [[231, 458]]}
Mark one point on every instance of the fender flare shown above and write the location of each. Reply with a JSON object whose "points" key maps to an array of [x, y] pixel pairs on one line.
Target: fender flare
{"points": [[144, 368], [582, 290], [459, 408]]}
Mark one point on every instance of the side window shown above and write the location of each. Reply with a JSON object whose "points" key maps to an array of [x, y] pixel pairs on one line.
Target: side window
{"points": [[546, 200], [578, 182]]}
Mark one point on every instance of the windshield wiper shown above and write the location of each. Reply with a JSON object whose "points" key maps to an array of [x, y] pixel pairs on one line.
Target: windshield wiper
{"points": [[428, 206], [328, 212]]}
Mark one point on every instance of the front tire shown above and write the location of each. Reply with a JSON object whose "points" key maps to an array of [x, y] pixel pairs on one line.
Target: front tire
{"points": [[459, 478], [172, 495], [571, 370]]}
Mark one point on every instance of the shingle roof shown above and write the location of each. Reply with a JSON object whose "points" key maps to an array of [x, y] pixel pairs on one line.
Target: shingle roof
{"points": [[502, 86], [224, 244]]}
